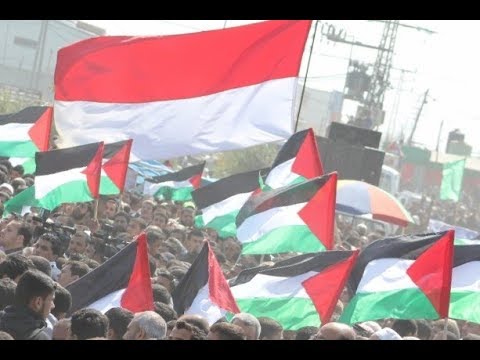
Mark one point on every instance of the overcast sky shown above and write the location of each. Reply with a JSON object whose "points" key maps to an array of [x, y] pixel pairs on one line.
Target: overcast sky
{"points": [[447, 63]]}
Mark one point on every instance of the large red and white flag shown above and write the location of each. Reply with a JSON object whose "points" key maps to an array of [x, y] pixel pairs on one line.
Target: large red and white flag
{"points": [[181, 94]]}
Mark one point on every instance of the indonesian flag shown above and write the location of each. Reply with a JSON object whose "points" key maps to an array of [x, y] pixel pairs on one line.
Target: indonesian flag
{"points": [[182, 94]]}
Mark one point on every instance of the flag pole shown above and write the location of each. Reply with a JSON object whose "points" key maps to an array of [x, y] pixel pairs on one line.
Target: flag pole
{"points": [[445, 328], [95, 213], [306, 76]]}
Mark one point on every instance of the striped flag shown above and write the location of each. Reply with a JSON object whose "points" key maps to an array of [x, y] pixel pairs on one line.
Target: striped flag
{"points": [[115, 166], [221, 201], [297, 218], [177, 186], [297, 161], [203, 290], [121, 281], [301, 291], [182, 94], [403, 277], [24, 133], [465, 294], [68, 175]]}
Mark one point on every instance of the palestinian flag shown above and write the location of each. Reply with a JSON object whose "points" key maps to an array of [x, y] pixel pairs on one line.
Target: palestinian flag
{"points": [[21, 203], [115, 165], [465, 294], [298, 218], [297, 161], [177, 186], [68, 175], [403, 277], [27, 163], [24, 133], [203, 290], [121, 281], [221, 201], [301, 291]]}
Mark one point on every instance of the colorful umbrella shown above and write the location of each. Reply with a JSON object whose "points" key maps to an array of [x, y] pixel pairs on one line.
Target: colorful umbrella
{"points": [[360, 198]]}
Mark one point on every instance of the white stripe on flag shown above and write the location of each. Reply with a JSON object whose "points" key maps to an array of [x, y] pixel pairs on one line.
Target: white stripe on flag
{"points": [[260, 224], [15, 132], [228, 120], [107, 302], [202, 306], [466, 277], [46, 183], [281, 175], [267, 286], [386, 275], [225, 206]]}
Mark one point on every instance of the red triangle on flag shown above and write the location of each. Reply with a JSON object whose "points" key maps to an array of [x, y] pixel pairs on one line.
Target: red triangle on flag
{"points": [[218, 288], [432, 273], [319, 213], [116, 167], [93, 172], [196, 180], [40, 131], [325, 288], [138, 295], [307, 162]]}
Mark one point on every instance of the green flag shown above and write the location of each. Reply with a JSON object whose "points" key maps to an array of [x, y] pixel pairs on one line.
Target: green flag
{"points": [[452, 177]]}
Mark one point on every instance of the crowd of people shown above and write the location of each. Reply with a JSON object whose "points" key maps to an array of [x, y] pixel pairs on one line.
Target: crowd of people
{"points": [[43, 252]]}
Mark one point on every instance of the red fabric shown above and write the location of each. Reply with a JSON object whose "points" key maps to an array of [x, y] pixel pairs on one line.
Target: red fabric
{"points": [[432, 273], [307, 162], [40, 131], [218, 288], [319, 213], [121, 69], [93, 172], [138, 295], [116, 167], [325, 288], [196, 181]]}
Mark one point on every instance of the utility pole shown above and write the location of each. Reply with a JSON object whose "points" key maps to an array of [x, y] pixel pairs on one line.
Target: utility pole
{"points": [[418, 117], [42, 51], [37, 54], [438, 140]]}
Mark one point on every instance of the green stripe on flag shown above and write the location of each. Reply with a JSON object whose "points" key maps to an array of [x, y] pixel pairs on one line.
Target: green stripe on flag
{"points": [[396, 304], [182, 194], [464, 306], [224, 225], [293, 238], [75, 191], [292, 312], [25, 149], [107, 187]]}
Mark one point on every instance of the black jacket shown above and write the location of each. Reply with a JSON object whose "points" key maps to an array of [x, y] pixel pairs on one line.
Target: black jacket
{"points": [[23, 323]]}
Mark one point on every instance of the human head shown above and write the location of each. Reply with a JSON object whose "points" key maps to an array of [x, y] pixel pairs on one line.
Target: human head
{"points": [[88, 323], [118, 320], [78, 242], [7, 292], [121, 221], [187, 217], [111, 208], [36, 291], [194, 241], [226, 331], [250, 325], [146, 325], [15, 235], [61, 330], [14, 266], [72, 271], [335, 331], [49, 246], [271, 329]]}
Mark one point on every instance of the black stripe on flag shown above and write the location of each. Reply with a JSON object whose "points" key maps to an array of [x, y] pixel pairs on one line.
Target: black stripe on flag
{"points": [[290, 149], [111, 149], [408, 247], [112, 275], [227, 187], [284, 196], [295, 266], [51, 162], [181, 175], [195, 279], [28, 115], [465, 253]]}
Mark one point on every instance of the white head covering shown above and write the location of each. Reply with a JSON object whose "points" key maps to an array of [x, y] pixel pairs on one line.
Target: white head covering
{"points": [[387, 334], [7, 187]]}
